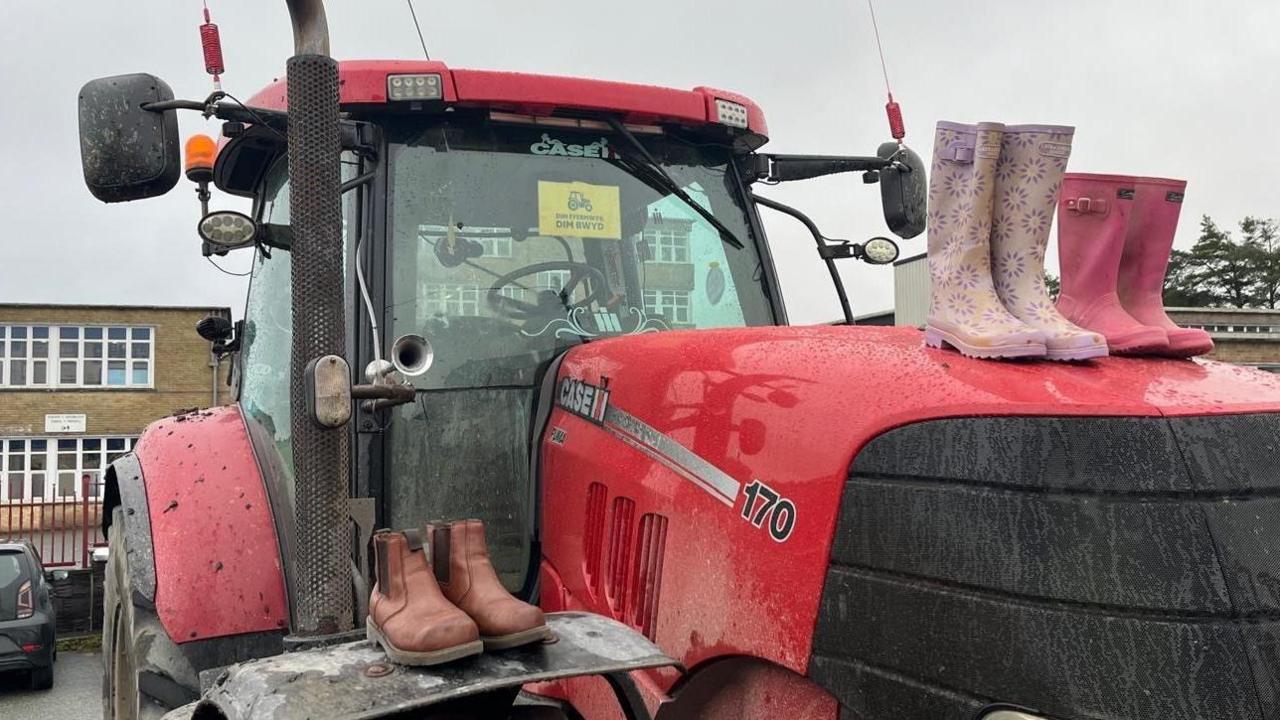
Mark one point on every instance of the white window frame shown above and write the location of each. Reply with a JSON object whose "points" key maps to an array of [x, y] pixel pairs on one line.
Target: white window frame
{"points": [[137, 338], [495, 247], [668, 246], [51, 471], [675, 305], [512, 292], [554, 280], [497, 242], [451, 299]]}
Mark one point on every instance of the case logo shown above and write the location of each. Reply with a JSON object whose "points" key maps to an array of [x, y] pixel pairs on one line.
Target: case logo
{"points": [[1173, 196], [584, 399], [553, 146]]}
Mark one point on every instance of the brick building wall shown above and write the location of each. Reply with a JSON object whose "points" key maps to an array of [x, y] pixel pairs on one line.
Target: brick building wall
{"points": [[125, 367], [182, 377], [1247, 336]]}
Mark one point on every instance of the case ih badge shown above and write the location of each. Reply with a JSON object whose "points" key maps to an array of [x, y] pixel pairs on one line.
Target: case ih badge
{"points": [[584, 399]]}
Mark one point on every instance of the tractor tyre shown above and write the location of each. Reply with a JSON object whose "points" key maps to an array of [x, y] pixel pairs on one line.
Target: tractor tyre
{"points": [[132, 640]]}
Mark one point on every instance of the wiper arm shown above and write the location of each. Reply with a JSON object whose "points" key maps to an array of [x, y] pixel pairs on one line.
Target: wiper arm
{"points": [[658, 178]]}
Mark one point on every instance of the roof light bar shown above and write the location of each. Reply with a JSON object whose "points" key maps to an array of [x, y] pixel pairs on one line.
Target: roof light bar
{"points": [[731, 113], [415, 87]]}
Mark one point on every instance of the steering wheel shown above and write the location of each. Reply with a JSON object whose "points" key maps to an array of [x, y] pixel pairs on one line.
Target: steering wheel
{"points": [[548, 301]]}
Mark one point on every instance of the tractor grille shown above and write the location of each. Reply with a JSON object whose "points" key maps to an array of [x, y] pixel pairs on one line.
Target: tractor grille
{"points": [[593, 533], [618, 577], [646, 586], [1114, 568]]}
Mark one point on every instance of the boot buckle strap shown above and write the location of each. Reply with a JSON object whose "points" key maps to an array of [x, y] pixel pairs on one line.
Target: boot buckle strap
{"points": [[1086, 205], [958, 153]]}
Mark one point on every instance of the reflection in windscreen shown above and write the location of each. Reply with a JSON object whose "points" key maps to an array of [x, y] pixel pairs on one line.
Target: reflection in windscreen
{"points": [[511, 242]]}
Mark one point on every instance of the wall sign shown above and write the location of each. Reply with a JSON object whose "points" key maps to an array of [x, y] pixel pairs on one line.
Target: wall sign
{"points": [[65, 423]]}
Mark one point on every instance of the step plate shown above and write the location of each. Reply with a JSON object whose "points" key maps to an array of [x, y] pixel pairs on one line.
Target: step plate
{"points": [[347, 680]]}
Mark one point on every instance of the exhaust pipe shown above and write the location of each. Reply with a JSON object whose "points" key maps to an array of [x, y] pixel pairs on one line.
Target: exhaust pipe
{"points": [[322, 591]]}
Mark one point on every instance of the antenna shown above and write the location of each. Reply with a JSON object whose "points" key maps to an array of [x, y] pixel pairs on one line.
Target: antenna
{"points": [[418, 27], [211, 45], [892, 109]]}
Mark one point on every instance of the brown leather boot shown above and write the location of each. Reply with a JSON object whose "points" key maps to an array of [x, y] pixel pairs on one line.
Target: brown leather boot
{"points": [[467, 577], [408, 615]]}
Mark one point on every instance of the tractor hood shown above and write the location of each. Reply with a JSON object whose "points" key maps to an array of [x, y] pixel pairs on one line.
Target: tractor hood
{"points": [[745, 440]]}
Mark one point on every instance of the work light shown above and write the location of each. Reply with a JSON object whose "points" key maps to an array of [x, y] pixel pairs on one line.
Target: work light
{"points": [[414, 87]]}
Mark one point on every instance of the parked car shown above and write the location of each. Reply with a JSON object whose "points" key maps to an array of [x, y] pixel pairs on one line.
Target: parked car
{"points": [[26, 615]]}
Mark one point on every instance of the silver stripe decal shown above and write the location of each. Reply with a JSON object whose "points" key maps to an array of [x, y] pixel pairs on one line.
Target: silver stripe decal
{"points": [[675, 456]]}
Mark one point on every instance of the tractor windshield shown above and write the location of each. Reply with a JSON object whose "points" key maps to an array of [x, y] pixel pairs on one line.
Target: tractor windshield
{"points": [[511, 243]]}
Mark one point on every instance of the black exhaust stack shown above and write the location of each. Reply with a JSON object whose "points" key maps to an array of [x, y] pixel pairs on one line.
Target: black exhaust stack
{"points": [[322, 595]]}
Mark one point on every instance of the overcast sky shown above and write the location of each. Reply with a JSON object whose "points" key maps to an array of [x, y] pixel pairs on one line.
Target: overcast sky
{"points": [[1189, 91]]}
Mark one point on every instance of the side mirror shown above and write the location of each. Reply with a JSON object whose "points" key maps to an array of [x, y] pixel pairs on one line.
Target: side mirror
{"points": [[128, 153], [904, 191]]}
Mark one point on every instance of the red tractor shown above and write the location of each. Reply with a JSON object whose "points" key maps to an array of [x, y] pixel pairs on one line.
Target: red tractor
{"points": [[817, 522]]}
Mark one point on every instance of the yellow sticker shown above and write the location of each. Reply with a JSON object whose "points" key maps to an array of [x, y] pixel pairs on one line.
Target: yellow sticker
{"points": [[578, 209]]}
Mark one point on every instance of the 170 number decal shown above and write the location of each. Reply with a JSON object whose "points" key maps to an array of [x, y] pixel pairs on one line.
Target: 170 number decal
{"points": [[765, 506]]}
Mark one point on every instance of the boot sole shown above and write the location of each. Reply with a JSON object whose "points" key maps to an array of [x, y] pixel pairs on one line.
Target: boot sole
{"points": [[430, 657], [516, 639], [1186, 350], [935, 338], [1077, 354], [1145, 341]]}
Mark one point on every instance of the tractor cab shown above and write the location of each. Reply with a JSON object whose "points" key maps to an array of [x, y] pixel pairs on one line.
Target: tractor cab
{"points": [[503, 236]]}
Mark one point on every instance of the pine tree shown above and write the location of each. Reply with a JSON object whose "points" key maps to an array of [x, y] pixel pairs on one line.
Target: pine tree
{"points": [[1221, 271]]}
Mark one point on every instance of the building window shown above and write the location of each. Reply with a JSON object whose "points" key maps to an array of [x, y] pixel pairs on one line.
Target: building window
{"points": [[670, 304], [495, 247], [53, 469], [667, 245], [512, 292], [495, 241], [553, 280], [445, 299], [76, 356]]}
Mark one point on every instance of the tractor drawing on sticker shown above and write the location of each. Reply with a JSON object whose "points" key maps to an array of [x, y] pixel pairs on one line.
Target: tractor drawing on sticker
{"points": [[578, 201], [729, 515]]}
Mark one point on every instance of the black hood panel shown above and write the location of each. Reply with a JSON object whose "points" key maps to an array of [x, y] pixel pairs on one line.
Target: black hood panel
{"points": [[1124, 568]]}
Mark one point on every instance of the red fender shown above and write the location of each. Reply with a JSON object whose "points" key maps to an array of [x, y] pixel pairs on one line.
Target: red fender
{"points": [[218, 567]]}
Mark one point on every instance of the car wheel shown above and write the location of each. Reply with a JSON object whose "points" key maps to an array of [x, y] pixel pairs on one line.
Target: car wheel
{"points": [[42, 678], [131, 637]]}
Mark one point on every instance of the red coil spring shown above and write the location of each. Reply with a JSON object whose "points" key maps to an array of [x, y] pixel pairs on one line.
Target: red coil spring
{"points": [[896, 127], [212, 46]]}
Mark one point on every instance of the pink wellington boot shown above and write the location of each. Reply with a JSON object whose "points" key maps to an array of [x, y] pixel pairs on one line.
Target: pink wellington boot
{"points": [[1093, 217], [1154, 218], [964, 311]]}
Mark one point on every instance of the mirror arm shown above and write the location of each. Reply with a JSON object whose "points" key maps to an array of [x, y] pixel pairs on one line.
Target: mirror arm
{"points": [[828, 253], [785, 168], [225, 111]]}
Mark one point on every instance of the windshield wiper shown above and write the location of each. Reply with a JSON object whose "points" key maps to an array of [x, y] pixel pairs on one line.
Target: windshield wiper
{"points": [[655, 176]]}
